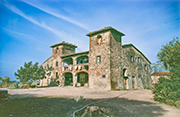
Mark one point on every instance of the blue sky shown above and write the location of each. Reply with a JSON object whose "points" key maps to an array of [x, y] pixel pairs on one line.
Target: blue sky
{"points": [[29, 27]]}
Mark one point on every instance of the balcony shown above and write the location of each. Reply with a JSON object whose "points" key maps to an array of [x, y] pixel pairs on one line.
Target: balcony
{"points": [[78, 67]]}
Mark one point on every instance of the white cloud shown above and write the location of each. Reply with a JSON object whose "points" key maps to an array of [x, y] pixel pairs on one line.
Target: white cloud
{"points": [[23, 36], [59, 16], [63, 35]]}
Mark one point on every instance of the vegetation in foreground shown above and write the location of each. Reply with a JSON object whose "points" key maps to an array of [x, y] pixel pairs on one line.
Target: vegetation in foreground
{"points": [[167, 90]]}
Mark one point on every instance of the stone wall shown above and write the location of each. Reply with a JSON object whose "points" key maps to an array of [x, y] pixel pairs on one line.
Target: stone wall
{"points": [[99, 73], [115, 60], [137, 67]]}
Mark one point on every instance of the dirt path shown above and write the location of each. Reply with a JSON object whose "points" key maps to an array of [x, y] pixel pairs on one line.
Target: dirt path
{"points": [[134, 101]]}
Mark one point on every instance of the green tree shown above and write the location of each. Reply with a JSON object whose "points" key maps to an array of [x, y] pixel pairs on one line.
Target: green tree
{"points": [[156, 67], [1, 80], [7, 80], [168, 89], [30, 73], [169, 55], [49, 70]]}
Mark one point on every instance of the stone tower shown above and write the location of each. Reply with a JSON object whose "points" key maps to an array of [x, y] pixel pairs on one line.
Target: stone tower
{"points": [[62, 48], [105, 58]]}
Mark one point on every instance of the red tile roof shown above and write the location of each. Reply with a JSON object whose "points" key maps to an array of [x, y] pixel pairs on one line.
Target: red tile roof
{"points": [[104, 29], [160, 73], [63, 43]]}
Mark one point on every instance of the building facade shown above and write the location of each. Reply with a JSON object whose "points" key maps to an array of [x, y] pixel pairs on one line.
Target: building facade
{"points": [[107, 65]]}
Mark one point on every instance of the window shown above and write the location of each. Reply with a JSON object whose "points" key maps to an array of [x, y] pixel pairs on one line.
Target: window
{"points": [[139, 60], [145, 67], [56, 74], [131, 58], [103, 75], [56, 64], [98, 59], [57, 50], [99, 38], [135, 58]]}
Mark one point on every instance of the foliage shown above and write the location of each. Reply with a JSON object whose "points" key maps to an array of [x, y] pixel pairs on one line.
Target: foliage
{"points": [[16, 86], [48, 70], [169, 55], [167, 90], [156, 67], [5, 80], [30, 73]]}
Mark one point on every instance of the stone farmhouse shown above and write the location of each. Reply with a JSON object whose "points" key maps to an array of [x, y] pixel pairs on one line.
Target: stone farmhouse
{"points": [[108, 64]]}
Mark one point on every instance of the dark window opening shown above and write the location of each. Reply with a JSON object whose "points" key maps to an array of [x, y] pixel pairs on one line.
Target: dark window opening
{"points": [[57, 50], [103, 75], [86, 67], [82, 60], [99, 38], [56, 64], [67, 62], [138, 59], [56, 74], [98, 59], [132, 58], [145, 67]]}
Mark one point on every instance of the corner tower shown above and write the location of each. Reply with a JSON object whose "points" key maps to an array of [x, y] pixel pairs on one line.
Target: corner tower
{"points": [[104, 58], [62, 48]]}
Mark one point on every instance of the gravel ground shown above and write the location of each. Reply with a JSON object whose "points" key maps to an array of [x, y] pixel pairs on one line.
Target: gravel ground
{"points": [[128, 103]]}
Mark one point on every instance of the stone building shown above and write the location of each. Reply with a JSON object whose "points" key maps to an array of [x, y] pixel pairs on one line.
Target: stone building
{"points": [[107, 65]]}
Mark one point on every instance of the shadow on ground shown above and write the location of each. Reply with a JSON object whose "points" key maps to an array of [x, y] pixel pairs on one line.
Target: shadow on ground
{"points": [[64, 107]]}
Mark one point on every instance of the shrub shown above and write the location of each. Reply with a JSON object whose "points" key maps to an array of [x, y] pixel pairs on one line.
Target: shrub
{"points": [[166, 90], [177, 104], [16, 86], [170, 102], [34, 84]]}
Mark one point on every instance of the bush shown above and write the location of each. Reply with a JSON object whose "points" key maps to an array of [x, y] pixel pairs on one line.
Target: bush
{"points": [[16, 86], [34, 84], [170, 102], [177, 104], [167, 91]]}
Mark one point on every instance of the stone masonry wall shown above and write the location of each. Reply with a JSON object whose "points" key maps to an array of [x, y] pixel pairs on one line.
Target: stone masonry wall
{"points": [[99, 73], [137, 67], [115, 60]]}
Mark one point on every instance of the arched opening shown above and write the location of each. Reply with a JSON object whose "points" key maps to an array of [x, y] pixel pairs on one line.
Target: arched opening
{"points": [[125, 73], [125, 77], [67, 62], [99, 39], [68, 79], [82, 60], [83, 78]]}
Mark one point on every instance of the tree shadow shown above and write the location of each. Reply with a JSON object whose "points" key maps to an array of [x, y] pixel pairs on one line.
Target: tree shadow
{"points": [[64, 107]]}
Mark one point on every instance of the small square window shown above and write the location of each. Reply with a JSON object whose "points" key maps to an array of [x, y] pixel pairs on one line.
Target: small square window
{"points": [[98, 59], [103, 75]]}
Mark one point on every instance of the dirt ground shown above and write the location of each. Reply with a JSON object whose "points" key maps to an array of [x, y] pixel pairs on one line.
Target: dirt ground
{"points": [[59, 101]]}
